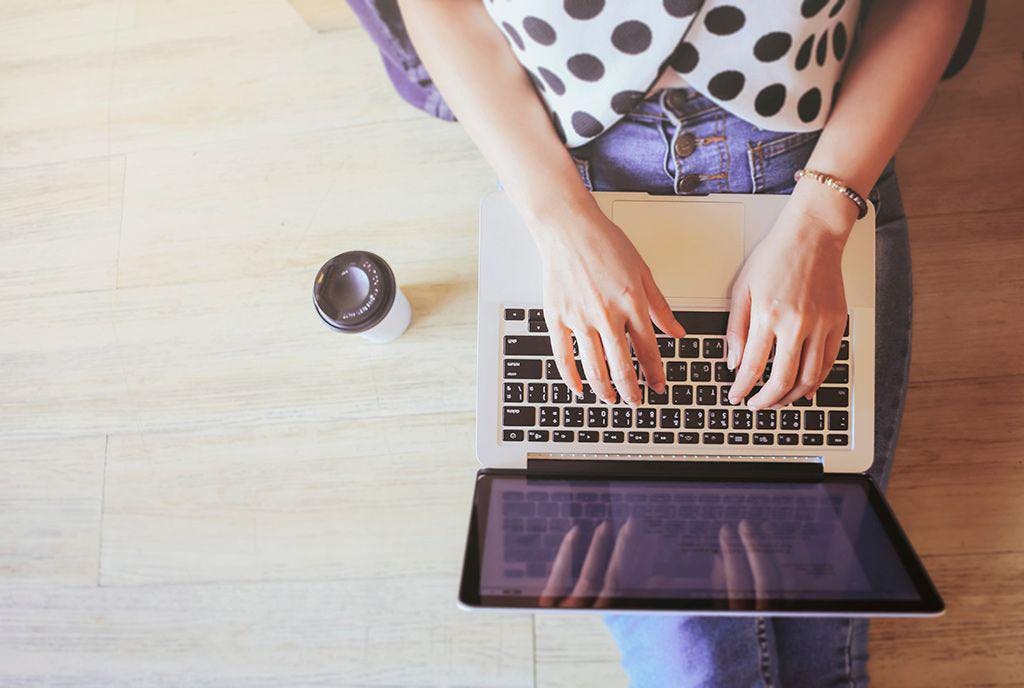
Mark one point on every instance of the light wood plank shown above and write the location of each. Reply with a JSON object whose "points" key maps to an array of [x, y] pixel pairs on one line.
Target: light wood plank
{"points": [[388, 632], [51, 492]]}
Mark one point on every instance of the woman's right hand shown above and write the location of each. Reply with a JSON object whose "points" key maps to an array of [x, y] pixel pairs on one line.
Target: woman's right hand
{"points": [[598, 288]]}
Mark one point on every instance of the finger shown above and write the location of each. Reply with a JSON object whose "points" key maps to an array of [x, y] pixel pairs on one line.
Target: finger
{"points": [[594, 566], [832, 344], [738, 584], [762, 564], [561, 348], [739, 325], [659, 310], [755, 355], [784, 369], [560, 580], [621, 562], [620, 364], [810, 369], [645, 344], [592, 354]]}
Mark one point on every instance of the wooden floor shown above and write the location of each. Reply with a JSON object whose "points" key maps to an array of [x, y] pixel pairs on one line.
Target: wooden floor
{"points": [[202, 486]]}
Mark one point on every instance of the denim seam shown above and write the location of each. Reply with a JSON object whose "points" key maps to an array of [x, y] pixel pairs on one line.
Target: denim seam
{"points": [[787, 143], [755, 160], [724, 156], [764, 651]]}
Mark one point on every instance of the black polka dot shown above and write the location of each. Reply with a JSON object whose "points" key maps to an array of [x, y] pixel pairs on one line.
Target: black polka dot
{"points": [[681, 8], [585, 66], [772, 46], [803, 56], [539, 30], [552, 81], [809, 105], [839, 41], [724, 20], [583, 9], [514, 35], [631, 37], [836, 8], [586, 125], [822, 49], [624, 101], [770, 99], [684, 58], [812, 7], [557, 122], [726, 85]]}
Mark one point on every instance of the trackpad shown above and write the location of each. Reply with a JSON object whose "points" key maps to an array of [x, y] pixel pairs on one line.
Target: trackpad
{"points": [[694, 248]]}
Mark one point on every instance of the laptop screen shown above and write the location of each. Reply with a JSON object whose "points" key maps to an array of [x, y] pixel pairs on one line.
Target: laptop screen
{"points": [[825, 545]]}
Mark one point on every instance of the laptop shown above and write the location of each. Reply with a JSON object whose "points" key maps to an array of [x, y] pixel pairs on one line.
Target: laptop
{"points": [[685, 503]]}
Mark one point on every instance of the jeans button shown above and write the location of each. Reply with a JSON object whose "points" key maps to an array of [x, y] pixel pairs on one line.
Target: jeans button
{"points": [[685, 144], [687, 183], [675, 99]]}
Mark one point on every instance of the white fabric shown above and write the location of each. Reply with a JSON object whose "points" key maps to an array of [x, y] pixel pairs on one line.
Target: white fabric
{"points": [[773, 63]]}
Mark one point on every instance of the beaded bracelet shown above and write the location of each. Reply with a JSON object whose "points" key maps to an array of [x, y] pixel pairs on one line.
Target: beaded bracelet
{"points": [[837, 185]]}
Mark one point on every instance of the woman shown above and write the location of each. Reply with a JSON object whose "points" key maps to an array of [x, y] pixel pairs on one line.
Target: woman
{"points": [[684, 96]]}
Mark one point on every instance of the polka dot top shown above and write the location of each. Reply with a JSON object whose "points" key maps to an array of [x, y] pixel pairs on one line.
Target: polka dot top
{"points": [[775, 64]]}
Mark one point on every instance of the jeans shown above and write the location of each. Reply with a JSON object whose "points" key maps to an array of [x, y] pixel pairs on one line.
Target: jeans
{"points": [[677, 141]]}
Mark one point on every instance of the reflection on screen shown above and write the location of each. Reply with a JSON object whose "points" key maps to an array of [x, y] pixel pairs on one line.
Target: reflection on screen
{"points": [[564, 541]]}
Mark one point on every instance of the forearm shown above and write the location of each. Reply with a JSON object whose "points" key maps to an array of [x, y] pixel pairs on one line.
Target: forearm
{"points": [[902, 52], [493, 98]]}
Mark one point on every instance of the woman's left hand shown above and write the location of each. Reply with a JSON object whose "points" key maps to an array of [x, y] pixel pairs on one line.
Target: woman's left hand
{"points": [[790, 293]]}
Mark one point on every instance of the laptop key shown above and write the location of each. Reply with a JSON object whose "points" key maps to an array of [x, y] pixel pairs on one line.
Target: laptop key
{"points": [[538, 326], [519, 416], [764, 438], [589, 397], [587, 436], [563, 435], [527, 345], [801, 401], [669, 418], [551, 370], [689, 348], [788, 438], [812, 439], [838, 440], [639, 437], [513, 392], [560, 393], [537, 393], [838, 420], [723, 396], [742, 419], [814, 420], [597, 417], [655, 398], [549, 416], [536, 314], [622, 417], [707, 395], [613, 436], [844, 350], [667, 347], [522, 369], [714, 347], [789, 420], [538, 435], [700, 371], [703, 322], [572, 417], [692, 418], [840, 374], [682, 395], [663, 438], [714, 438], [646, 418], [833, 396], [739, 438], [514, 314], [511, 435], [688, 438], [723, 374], [718, 419], [766, 419], [675, 371]]}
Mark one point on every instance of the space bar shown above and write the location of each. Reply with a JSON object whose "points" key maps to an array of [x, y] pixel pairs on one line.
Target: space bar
{"points": [[703, 322]]}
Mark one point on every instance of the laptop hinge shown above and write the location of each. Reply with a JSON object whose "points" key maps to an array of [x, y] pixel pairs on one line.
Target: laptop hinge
{"points": [[696, 466]]}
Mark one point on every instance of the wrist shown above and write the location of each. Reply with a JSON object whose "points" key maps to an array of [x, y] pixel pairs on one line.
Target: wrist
{"points": [[833, 214]]}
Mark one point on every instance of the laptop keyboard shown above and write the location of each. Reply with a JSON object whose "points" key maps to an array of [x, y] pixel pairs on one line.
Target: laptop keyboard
{"points": [[693, 412]]}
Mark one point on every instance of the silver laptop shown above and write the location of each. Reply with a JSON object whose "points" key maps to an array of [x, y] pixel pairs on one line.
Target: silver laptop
{"points": [[555, 464]]}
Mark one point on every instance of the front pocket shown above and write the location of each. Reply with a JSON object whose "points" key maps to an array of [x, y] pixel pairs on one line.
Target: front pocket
{"points": [[774, 161]]}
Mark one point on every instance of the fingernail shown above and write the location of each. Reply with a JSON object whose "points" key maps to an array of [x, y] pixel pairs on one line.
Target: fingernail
{"points": [[776, 407], [660, 388], [731, 361]]}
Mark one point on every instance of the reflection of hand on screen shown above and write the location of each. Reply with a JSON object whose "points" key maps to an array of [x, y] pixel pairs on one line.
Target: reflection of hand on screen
{"points": [[747, 564]]}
